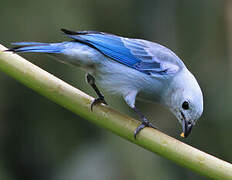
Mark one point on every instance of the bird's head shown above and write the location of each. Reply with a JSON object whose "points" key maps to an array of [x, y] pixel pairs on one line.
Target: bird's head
{"points": [[186, 101]]}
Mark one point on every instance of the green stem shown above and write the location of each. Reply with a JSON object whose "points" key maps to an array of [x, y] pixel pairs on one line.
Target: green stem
{"points": [[79, 103]]}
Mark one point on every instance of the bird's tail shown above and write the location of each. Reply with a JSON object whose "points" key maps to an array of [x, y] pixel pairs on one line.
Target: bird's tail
{"points": [[37, 47]]}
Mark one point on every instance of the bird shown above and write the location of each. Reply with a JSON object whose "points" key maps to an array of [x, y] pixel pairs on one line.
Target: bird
{"points": [[131, 68]]}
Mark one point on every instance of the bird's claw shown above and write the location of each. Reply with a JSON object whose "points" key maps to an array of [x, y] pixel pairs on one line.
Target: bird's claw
{"points": [[98, 101], [144, 124]]}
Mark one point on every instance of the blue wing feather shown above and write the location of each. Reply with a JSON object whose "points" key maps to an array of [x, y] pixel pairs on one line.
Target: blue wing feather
{"points": [[129, 52], [111, 46]]}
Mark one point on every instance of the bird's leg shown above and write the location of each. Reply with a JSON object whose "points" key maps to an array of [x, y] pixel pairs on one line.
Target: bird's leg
{"points": [[91, 80], [145, 122]]}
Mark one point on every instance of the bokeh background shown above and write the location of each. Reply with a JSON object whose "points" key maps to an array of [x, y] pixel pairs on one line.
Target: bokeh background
{"points": [[40, 140]]}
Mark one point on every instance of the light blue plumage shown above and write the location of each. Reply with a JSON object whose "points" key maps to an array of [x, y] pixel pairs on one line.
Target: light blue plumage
{"points": [[130, 68]]}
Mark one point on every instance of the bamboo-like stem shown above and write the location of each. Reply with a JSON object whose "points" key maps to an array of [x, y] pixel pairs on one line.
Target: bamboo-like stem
{"points": [[79, 103]]}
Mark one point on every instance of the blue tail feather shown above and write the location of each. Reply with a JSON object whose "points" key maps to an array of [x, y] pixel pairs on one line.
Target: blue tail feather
{"points": [[36, 47], [27, 43]]}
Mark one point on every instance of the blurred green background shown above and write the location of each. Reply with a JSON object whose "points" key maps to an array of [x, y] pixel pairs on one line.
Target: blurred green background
{"points": [[40, 140]]}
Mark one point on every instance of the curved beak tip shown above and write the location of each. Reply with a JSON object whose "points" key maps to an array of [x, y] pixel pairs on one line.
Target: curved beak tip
{"points": [[187, 128]]}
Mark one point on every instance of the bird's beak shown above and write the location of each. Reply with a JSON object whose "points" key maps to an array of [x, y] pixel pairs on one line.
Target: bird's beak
{"points": [[186, 128]]}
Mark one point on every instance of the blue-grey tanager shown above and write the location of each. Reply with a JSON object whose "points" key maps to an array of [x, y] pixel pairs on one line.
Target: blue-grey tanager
{"points": [[130, 68]]}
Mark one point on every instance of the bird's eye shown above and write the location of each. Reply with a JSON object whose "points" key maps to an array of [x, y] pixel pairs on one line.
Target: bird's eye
{"points": [[185, 105]]}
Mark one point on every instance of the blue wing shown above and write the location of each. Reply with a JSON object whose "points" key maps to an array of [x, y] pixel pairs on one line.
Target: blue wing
{"points": [[130, 52]]}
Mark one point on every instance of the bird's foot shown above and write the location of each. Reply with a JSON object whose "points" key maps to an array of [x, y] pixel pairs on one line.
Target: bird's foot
{"points": [[98, 100], [145, 123]]}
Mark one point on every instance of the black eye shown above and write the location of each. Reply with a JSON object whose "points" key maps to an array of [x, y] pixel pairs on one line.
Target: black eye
{"points": [[185, 105]]}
